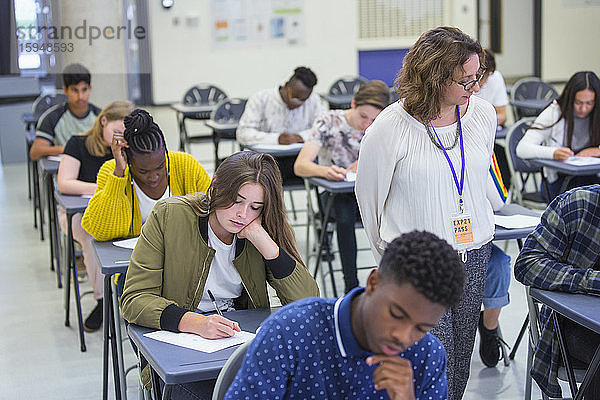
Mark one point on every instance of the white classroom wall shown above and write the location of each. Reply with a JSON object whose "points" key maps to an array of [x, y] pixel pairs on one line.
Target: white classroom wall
{"points": [[183, 55], [569, 38]]}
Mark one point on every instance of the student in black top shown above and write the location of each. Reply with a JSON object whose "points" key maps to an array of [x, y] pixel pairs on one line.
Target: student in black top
{"points": [[83, 156], [62, 121]]}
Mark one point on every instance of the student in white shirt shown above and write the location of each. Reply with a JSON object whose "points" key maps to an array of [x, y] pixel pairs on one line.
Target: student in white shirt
{"points": [[569, 126], [405, 180], [282, 115]]}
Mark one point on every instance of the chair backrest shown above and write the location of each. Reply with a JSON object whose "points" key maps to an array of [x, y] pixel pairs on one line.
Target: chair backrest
{"points": [[229, 110], [203, 94], [44, 102], [346, 85], [229, 370], [528, 89], [514, 135]]}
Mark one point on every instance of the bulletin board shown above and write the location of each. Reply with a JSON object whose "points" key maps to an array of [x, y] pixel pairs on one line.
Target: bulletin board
{"points": [[257, 23]]}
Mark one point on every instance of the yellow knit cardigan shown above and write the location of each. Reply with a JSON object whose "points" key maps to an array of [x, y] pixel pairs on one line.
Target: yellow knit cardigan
{"points": [[108, 215]]}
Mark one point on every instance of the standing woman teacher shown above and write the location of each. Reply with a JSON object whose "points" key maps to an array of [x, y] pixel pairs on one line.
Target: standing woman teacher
{"points": [[423, 166]]}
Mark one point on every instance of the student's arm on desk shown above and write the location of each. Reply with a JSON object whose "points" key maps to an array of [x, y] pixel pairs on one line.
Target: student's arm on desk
{"points": [[305, 165], [68, 171], [248, 130], [43, 148], [539, 265]]}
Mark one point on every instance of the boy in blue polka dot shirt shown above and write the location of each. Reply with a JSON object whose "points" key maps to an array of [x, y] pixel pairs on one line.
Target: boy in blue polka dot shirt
{"points": [[373, 343]]}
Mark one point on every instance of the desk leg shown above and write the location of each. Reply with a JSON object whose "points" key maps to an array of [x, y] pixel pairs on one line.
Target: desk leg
{"points": [[106, 338], [116, 323], [114, 340], [519, 338], [216, 139], [44, 177], [545, 183], [73, 268], [322, 243], [155, 384], [589, 374], [565, 358], [36, 193]]}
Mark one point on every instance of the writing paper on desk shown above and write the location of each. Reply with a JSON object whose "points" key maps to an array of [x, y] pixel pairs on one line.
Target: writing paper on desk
{"points": [[350, 176], [196, 342], [582, 160], [54, 158], [126, 243], [516, 221], [275, 147]]}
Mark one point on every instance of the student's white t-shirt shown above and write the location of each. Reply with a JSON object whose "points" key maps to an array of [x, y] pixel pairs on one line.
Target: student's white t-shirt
{"points": [[146, 203], [494, 90], [223, 279]]}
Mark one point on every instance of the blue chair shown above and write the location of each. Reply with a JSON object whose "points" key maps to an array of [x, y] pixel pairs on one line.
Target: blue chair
{"points": [[342, 90], [229, 371], [224, 121], [529, 96]]}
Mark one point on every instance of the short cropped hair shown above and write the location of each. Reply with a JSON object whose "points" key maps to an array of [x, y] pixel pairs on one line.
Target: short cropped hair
{"points": [[306, 76], [426, 262], [75, 73], [374, 93]]}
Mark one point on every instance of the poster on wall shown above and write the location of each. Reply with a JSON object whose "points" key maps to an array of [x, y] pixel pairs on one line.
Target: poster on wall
{"points": [[257, 23]]}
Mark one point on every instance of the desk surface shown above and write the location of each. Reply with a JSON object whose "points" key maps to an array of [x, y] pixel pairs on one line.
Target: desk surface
{"points": [[48, 166], [108, 254], [580, 308], [501, 233], [277, 150], [71, 204], [191, 109], [176, 365], [567, 169]]}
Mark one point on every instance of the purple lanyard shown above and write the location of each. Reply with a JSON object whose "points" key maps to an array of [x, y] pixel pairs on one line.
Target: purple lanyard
{"points": [[459, 187]]}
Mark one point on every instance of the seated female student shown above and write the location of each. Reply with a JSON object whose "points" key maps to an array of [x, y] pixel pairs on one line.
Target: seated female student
{"points": [[335, 139], [568, 126], [232, 241], [84, 155], [142, 173]]}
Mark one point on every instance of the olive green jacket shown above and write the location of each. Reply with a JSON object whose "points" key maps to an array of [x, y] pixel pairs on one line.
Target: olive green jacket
{"points": [[170, 264]]}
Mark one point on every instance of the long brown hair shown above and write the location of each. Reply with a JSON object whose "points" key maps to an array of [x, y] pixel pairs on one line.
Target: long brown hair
{"points": [[250, 167], [429, 66], [581, 80], [94, 143]]}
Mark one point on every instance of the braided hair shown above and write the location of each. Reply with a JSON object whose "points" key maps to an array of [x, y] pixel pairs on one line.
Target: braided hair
{"points": [[142, 134]]}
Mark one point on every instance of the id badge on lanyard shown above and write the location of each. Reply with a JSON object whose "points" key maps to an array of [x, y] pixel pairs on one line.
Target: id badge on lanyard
{"points": [[460, 222]]}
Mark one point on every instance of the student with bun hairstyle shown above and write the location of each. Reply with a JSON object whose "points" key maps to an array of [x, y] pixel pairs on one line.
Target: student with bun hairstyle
{"points": [[232, 240], [142, 173], [83, 156]]}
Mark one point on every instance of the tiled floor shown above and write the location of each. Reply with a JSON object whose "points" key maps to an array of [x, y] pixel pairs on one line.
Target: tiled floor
{"points": [[40, 357]]}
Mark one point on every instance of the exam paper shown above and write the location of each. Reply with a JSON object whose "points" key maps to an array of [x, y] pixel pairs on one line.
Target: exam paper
{"points": [[54, 158], [275, 147], [516, 221], [574, 160], [126, 243], [350, 176], [196, 342]]}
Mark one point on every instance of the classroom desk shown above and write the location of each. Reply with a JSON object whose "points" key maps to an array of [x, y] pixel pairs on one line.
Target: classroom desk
{"points": [[178, 365], [566, 169], [221, 131], [338, 101], [196, 112], [113, 260], [277, 150], [72, 205], [49, 168], [582, 309]]}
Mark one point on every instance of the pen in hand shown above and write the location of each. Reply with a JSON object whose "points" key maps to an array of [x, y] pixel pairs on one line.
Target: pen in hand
{"points": [[212, 298]]}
